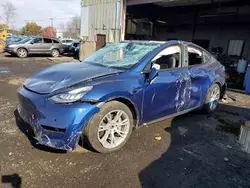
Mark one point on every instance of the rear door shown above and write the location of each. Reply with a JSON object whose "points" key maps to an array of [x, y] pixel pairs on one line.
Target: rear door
{"points": [[47, 45], [201, 74]]}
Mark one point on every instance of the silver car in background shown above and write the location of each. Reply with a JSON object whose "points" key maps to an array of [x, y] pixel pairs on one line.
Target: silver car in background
{"points": [[36, 45]]}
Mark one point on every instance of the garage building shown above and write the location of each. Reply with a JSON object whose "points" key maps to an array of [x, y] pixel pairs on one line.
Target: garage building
{"points": [[216, 25]]}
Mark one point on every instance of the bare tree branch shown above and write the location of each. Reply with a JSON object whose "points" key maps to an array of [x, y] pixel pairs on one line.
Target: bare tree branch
{"points": [[9, 13]]}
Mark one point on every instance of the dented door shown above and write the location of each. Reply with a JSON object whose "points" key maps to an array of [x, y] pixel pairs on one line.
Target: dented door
{"points": [[169, 93]]}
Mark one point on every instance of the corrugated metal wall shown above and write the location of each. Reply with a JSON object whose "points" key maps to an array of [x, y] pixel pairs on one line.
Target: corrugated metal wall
{"points": [[101, 17], [94, 2]]}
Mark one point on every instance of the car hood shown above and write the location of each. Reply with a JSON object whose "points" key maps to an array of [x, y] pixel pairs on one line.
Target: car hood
{"points": [[65, 75]]}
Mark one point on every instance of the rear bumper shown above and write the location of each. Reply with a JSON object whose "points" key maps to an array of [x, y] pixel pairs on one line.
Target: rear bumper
{"points": [[65, 122]]}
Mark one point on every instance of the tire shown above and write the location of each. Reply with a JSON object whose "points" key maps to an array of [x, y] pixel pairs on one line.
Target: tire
{"points": [[55, 53], [22, 53], [99, 131], [212, 98]]}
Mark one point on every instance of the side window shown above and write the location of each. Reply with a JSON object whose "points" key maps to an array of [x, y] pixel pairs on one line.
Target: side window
{"points": [[55, 41], [46, 40], [206, 57], [38, 40], [168, 58], [194, 56]]}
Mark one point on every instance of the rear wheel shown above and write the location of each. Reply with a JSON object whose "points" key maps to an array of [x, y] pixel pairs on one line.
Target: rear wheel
{"points": [[55, 53], [212, 98], [109, 129], [22, 53]]}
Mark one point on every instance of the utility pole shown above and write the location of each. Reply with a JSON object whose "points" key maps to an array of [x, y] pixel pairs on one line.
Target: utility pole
{"points": [[51, 19]]}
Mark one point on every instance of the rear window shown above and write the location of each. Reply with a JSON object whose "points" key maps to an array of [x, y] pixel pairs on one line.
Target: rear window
{"points": [[46, 40], [55, 41], [206, 57]]}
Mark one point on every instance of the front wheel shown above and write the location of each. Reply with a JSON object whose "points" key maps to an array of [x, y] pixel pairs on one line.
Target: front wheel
{"points": [[22, 53], [109, 130], [212, 98]]}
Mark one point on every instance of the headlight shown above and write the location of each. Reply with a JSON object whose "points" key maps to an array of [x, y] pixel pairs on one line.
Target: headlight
{"points": [[11, 46], [71, 96]]}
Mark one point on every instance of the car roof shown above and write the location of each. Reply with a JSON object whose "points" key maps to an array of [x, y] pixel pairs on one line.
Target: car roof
{"points": [[164, 43]]}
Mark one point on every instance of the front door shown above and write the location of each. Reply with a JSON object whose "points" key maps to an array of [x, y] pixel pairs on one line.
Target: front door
{"points": [[36, 46], [169, 92]]}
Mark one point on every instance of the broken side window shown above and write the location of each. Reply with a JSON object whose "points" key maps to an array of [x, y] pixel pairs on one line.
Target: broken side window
{"points": [[194, 56], [168, 58]]}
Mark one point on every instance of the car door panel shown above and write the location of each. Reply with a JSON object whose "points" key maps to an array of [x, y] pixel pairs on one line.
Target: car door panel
{"points": [[202, 77], [37, 46], [47, 46], [169, 93]]}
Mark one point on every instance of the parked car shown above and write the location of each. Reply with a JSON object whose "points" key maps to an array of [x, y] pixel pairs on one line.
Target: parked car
{"points": [[67, 42], [75, 48], [118, 88], [36, 45], [12, 39]]}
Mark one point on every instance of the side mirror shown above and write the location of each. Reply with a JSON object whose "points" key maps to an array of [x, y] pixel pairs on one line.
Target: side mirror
{"points": [[153, 74], [32, 42]]}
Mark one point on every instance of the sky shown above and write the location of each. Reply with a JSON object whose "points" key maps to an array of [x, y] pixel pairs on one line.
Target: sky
{"points": [[41, 10]]}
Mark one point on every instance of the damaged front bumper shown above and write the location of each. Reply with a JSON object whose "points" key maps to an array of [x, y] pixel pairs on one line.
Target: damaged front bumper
{"points": [[55, 125]]}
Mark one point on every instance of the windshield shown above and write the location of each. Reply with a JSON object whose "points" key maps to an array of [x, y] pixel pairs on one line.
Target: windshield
{"points": [[25, 40], [121, 55]]}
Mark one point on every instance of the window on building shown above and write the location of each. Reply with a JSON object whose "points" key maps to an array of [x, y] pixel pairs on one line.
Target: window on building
{"points": [[235, 47]]}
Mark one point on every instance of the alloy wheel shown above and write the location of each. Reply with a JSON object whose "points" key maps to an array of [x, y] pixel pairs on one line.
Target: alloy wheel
{"points": [[214, 98], [113, 129], [22, 53]]}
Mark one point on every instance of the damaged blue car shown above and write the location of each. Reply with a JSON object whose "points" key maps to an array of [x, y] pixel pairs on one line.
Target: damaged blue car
{"points": [[117, 89]]}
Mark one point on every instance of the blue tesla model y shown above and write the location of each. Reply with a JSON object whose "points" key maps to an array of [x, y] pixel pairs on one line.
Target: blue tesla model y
{"points": [[117, 89]]}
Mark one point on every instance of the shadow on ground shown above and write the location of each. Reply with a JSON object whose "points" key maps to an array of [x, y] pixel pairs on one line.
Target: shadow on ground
{"points": [[27, 131], [14, 180], [74, 56], [203, 153]]}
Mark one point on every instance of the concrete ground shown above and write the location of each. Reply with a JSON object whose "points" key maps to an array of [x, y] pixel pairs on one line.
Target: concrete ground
{"points": [[192, 150]]}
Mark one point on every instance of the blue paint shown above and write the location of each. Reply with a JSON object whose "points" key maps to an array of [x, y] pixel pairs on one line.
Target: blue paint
{"points": [[248, 79], [171, 91]]}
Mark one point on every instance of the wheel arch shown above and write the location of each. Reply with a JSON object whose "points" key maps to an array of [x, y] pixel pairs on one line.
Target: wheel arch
{"points": [[223, 88], [131, 106], [55, 48]]}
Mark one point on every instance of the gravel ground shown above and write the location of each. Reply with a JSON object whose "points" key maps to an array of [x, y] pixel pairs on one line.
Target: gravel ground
{"points": [[192, 150]]}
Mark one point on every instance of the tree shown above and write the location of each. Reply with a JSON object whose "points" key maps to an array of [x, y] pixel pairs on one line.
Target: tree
{"points": [[73, 27], [31, 29], [9, 13], [49, 32], [3, 26]]}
